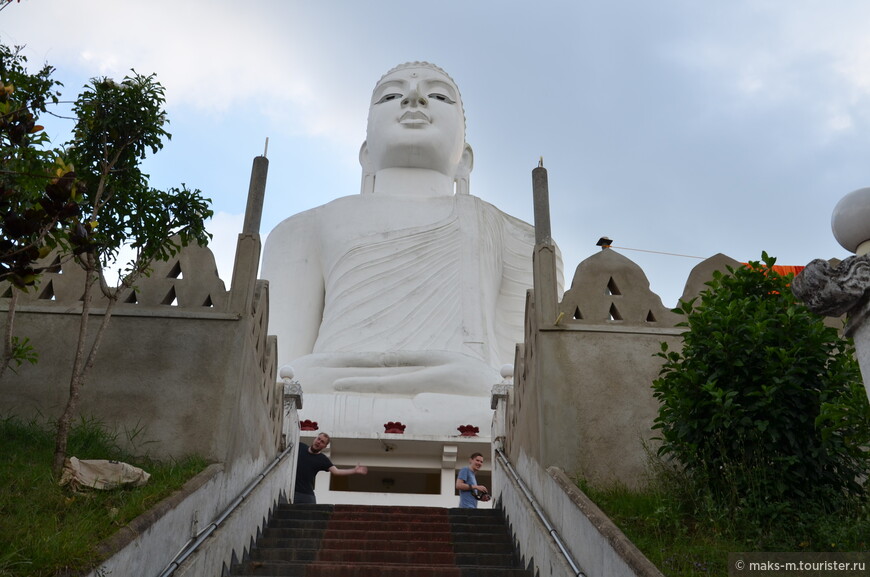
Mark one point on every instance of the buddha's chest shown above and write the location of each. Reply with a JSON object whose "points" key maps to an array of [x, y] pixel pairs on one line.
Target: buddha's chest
{"points": [[362, 217]]}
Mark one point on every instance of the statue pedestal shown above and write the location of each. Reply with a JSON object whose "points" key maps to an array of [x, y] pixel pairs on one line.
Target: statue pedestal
{"points": [[426, 414]]}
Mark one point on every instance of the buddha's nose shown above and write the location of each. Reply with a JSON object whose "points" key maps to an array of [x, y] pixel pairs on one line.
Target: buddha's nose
{"points": [[414, 98]]}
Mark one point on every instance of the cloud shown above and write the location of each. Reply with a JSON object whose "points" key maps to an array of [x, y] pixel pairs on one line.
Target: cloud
{"points": [[222, 57], [676, 126], [225, 228], [765, 57]]}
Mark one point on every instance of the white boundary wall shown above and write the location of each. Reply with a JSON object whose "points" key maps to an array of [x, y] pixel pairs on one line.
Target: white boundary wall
{"points": [[149, 545], [597, 546]]}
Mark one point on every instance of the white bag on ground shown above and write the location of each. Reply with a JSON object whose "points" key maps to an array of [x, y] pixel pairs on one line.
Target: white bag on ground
{"points": [[101, 474]]}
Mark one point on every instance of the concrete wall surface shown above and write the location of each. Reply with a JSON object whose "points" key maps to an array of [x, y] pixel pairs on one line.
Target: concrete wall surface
{"points": [[146, 545], [583, 398], [210, 523], [185, 368], [595, 400], [232, 541], [177, 379], [597, 547], [150, 543]]}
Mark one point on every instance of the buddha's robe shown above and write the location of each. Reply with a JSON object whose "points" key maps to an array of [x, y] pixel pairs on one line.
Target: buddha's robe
{"points": [[418, 294]]}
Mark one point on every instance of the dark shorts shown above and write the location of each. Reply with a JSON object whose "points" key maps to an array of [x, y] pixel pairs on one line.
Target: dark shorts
{"points": [[304, 499]]}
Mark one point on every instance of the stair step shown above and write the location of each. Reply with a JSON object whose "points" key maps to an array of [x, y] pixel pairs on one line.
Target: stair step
{"points": [[360, 534], [412, 536], [463, 529], [383, 541], [362, 525], [371, 516], [281, 569], [381, 545], [375, 509], [277, 538], [357, 553]]}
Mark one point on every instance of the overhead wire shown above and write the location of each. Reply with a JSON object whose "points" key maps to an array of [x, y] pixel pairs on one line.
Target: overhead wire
{"points": [[660, 252]]}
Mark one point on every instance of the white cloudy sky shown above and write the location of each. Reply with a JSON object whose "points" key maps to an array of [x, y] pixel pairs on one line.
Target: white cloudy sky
{"points": [[675, 126]]}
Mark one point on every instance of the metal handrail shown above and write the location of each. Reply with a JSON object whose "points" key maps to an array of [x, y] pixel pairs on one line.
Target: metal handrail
{"points": [[499, 453], [194, 543]]}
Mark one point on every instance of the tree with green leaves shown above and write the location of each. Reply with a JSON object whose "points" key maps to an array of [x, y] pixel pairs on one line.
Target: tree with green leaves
{"points": [[764, 404], [87, 200], [119, 124], [40, 195]]}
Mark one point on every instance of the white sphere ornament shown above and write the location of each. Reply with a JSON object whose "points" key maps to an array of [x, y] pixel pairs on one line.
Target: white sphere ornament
{"points": [[507, 371], [286, 372], [850, 221]]}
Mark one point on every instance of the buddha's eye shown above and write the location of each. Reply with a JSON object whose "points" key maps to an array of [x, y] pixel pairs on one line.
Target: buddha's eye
{"points": [[441, 97], [388, 97]]}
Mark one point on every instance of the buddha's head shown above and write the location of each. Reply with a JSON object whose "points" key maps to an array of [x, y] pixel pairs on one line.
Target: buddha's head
{"points": [[416, 120]]}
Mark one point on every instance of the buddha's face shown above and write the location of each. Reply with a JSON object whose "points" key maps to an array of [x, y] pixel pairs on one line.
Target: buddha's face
{"points": [[416, 121]]}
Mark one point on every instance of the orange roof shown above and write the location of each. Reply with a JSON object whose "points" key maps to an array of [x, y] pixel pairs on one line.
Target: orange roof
{"points": [[784, 269]]}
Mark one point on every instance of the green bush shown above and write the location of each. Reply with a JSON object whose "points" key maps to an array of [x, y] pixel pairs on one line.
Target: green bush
{"points": [[763, 406]]}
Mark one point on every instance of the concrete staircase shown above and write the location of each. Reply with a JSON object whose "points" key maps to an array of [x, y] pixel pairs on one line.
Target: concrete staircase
{"points": [[383, 541]]}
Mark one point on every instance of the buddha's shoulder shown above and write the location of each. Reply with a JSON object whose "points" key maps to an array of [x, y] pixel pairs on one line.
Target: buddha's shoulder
{"points": [[483, 207], [354, 207], [313, 216], [358, 205]]}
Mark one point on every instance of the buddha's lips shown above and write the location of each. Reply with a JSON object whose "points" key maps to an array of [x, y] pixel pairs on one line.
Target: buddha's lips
{"points": [[414, 117]]}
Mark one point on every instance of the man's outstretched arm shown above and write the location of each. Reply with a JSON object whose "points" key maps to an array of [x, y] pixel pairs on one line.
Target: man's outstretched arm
{"points": [[358, 470]]}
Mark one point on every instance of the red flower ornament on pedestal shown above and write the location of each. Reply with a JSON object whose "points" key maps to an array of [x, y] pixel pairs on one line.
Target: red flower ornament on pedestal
{"points": [[396, 428], [468, 430]]}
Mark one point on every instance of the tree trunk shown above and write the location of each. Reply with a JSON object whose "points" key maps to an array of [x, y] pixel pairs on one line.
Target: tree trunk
{"points": [[8, 353], [75, 382], [82, 367]]}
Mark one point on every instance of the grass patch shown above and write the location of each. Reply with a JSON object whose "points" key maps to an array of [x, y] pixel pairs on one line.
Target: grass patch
{"points": [[48, 530], [688, 536]]}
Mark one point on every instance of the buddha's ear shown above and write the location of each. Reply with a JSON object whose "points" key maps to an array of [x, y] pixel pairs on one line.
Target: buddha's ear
{"points": [[367, 185], [466, 163], [364, 154]]}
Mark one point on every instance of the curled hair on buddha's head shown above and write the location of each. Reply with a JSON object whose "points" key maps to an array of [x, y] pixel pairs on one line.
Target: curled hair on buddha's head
{"points": [[417, 64]]}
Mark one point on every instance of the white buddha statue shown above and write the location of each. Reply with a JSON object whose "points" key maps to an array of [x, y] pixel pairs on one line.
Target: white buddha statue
{"points": [[405, 299]]}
